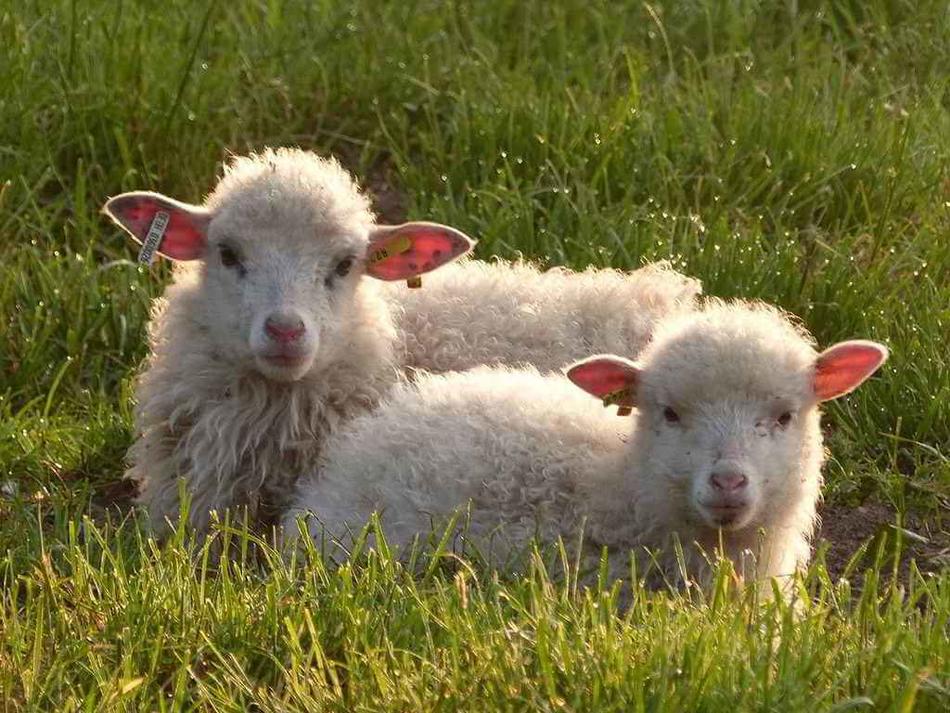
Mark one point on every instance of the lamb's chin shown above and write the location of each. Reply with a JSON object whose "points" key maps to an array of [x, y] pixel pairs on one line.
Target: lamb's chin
{"points": [[283, 369]]}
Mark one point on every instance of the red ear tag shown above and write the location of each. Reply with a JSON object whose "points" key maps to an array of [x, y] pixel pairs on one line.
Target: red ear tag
{"points": [[156, 232]]}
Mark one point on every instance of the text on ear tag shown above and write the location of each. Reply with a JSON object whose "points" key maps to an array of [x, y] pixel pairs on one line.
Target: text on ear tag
{"points": [[153, 238], [395, 247]]}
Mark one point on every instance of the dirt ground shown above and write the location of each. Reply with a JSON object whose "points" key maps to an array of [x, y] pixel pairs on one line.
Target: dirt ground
{"points": [[845, 528]]}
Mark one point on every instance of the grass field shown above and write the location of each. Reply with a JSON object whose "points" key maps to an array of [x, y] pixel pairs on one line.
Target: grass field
{"points": [[796, 151]]}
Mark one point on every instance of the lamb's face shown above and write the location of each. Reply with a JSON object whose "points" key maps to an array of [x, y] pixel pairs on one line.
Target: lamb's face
{"points": [[728, 410], [729, 434], [280, 287], [286, 239]]}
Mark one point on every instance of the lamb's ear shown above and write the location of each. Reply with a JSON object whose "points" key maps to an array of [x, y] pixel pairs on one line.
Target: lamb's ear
{"points": [[403, 252], [842, 368], [176, 230], [610, 378]]}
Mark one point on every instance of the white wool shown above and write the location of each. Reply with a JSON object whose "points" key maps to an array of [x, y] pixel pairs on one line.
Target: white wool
{"points": [[237, 429], [210, 410], [531, 454], [472, 313]]}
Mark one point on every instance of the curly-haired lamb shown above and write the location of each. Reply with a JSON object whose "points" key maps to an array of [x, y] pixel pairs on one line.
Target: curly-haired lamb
{"points": [[270, 335], [724, 448]]}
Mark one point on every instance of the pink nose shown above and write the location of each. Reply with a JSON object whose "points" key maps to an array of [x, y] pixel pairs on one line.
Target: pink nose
{"points": [[284, 329], [728, 480]]}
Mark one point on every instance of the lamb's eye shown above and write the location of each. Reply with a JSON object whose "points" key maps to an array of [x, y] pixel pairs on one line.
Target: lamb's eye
{"points": [[343, 267], [670, 415], [785, 419], [229, 257]]}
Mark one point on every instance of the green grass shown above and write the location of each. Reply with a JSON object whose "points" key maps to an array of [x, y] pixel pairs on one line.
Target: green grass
{"points": [[793, 151]]}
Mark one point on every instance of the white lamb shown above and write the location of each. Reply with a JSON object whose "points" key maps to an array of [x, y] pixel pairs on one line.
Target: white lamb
{"points": [[474, 313], [724, 448], [270, 335]]}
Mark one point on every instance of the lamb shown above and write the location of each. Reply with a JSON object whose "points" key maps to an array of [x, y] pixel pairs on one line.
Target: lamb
{"points": [[253, 362], [271, 334], [723, 451], [476, 313]]}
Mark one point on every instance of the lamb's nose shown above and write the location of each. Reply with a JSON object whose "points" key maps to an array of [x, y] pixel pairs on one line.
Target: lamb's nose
{"points": [[728, 480], [284, 328]]}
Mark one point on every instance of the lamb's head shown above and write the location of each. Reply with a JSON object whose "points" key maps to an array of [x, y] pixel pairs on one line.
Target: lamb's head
{"points": [[283, 244], [728, 419]]}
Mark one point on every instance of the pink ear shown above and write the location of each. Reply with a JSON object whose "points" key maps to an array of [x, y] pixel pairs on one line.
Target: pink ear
{"points": [[610, 378], [843, 367], [404, 251], [176, 230]]}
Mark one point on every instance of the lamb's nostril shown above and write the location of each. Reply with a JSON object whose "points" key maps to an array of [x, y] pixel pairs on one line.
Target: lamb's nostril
{"points": [[728, 480], [284, 329]]}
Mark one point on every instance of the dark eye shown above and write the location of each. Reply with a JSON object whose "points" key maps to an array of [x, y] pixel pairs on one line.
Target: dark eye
{"points": [[343, 267], [670, 415], [229, 258], [785, 419]]}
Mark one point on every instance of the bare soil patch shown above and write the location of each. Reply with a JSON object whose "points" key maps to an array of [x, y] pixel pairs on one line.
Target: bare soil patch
{"points": [[844, 529]]}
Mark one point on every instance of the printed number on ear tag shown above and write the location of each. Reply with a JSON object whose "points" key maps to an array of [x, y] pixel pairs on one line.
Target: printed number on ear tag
{"points": [[395, 247], [153, 238]]}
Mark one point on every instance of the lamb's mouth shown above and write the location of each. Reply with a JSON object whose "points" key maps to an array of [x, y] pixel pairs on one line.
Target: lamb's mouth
{"points": [[286, 361], [284, 365], [726, 515]]}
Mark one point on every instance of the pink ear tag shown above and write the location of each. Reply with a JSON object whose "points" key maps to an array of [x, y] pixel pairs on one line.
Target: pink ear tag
{"points": [[153, 239]]}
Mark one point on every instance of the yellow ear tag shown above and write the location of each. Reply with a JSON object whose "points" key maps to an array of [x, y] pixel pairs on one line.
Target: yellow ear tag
{"points": [[394, 247], [617, 398]]}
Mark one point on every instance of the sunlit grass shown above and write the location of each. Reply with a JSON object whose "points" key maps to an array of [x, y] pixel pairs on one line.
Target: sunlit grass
{"points": [[795, 152]]}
